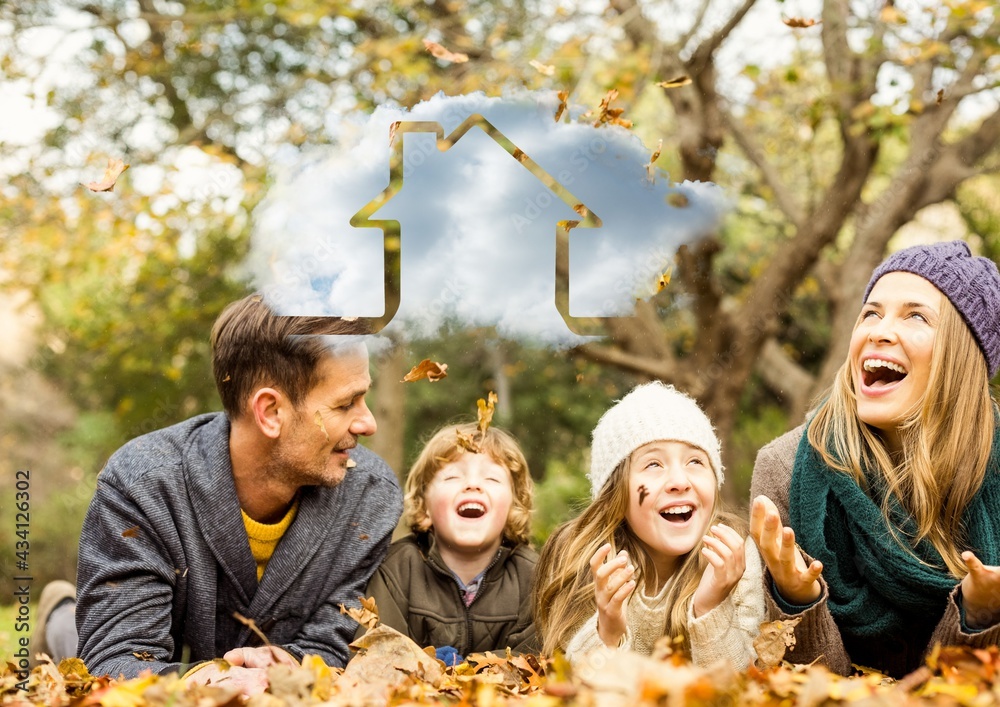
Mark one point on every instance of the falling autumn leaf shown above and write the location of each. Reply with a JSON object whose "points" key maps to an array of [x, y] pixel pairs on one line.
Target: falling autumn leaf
{"points": [[609, 115], [466, 442], [675, 82], [111, 173], [252, 625], [650, 170], [431, 370], [542, 68], [366, 614], [318, 419], [775, 638], [443, 54], [799, 22], [940, 96], [132, 532], [486, 408], [677, 200], [663, 280], [563, 97]]}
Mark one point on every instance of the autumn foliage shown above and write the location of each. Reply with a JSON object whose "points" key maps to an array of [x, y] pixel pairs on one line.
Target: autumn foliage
{"points": [[391, 669]]}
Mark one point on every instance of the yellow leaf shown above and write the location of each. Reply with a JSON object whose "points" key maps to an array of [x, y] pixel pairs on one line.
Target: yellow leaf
{"points": [[111, 173]]}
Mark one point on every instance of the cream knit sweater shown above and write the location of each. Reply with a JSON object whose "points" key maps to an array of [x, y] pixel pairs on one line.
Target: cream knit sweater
{"points": [[724, 633]]}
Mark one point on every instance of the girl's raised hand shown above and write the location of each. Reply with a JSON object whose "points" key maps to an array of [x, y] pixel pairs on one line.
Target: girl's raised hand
{"points": [[980, 593], [613, 583], [797, 583], [726, 562]]}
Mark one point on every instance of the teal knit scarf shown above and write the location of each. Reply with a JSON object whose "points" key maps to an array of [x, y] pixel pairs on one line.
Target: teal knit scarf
{"points": [[875, 586]]}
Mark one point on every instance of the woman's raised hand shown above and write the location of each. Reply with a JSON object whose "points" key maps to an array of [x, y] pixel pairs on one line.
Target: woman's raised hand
{"points": [[797, 583], [613, 583], [980, 593], [726, 562]]}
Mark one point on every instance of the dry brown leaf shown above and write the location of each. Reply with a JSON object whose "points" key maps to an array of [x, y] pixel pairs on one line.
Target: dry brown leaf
{"points": [[663, 280], [609, 115], [650, 169], [443, 54], [318, 419], [466, 442], [111, 173], [132, 532], [431, 370], [799, 22], [486, 408], [677, 200], [940, 96], [366, 614], [563, 97], [775, 638], [386, 660], [675, 82], [542, 68]]}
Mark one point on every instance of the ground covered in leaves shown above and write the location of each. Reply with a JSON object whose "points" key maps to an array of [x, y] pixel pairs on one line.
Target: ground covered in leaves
{"points": [[389, 669]]}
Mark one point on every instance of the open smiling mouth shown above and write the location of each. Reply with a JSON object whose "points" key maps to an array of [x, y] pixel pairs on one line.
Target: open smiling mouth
{"points": [[878, 374], [677, 514], [472, 510]]}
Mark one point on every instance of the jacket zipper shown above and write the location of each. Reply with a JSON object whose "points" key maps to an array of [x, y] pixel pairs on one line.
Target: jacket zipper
{"points": [[458, 590]]}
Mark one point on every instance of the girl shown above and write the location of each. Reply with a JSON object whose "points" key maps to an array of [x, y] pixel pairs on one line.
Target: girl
{"points": [[650, 556], [893, 485]]}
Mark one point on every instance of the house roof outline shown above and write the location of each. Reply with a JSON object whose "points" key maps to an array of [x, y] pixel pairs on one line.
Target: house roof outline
{"points": [[391, 228]]}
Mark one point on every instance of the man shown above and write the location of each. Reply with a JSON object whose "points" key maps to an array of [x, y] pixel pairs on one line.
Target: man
{"points": [[265, 518]]}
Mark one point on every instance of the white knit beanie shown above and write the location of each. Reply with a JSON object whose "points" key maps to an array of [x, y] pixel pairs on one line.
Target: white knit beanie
{"points": [[649, 413]]}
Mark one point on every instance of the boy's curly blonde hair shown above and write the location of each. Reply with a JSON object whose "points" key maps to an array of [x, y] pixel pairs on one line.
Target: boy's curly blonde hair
{"points": [[444, 448]]}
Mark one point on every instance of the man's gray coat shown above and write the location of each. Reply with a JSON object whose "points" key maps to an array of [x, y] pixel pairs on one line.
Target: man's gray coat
{"points": [[165, 564]]}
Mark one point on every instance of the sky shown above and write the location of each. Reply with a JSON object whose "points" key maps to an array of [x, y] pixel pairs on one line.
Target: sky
{"points": [[478, 229]]}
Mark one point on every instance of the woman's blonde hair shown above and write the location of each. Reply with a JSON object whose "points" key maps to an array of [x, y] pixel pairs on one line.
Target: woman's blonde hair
{"points": [[946, 441], [443, 448], [563, 594]]}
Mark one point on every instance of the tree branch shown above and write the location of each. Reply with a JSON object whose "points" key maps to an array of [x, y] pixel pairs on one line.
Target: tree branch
{"points": [[642, 365], [703, 54], [786, 202]]}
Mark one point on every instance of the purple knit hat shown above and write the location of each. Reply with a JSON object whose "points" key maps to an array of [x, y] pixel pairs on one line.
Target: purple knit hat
{"points": [[971, 284]]}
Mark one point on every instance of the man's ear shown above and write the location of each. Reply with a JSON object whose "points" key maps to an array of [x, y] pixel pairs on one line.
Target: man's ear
{"points": [[268, 408]]}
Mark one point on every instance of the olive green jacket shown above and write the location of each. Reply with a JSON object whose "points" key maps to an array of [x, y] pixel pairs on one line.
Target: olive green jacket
{"points": [[419, 596]]}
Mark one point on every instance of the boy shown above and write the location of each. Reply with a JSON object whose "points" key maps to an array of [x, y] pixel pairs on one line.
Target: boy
{"points": [[461, 582]]}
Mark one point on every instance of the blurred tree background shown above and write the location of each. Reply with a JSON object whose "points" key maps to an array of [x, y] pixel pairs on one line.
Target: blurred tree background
{"points": [[869, 121]]}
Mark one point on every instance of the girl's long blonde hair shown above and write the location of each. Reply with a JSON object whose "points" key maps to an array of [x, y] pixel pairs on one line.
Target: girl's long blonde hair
{"points": [[563, 594], [946, 441]]}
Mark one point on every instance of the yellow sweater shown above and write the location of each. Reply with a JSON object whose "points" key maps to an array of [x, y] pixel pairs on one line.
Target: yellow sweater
{"points": [[264, 537]]}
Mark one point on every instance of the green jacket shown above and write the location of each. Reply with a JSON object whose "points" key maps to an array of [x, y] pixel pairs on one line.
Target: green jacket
{"points": [[418, 595]]}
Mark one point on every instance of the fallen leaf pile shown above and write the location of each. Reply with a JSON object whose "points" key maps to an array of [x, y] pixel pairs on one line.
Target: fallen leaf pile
{"points": [[390, 669]]}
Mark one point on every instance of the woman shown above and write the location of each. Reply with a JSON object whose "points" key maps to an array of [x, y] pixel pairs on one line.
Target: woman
{"points": [[892, 488]]}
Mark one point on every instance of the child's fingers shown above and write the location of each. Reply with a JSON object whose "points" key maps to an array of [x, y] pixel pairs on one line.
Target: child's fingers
{"points": [[606, 570], [619, 597], [598, 558], [727, 535], [713, 558], [718, 547]]}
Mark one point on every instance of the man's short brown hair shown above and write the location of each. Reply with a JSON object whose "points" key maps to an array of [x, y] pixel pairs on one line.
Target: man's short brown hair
{"points": [[252, 347]]}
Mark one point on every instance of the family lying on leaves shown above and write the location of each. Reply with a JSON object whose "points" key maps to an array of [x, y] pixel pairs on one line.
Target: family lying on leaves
{"points": [[877, 522]]}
